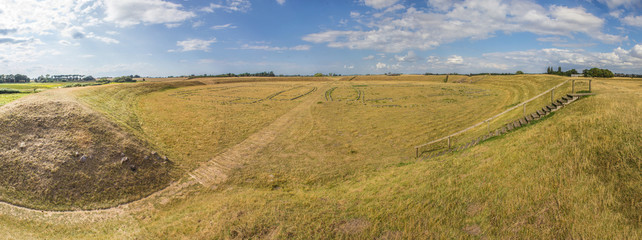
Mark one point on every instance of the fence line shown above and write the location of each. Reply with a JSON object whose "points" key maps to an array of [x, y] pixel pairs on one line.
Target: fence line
{"points": [[523, 104]]}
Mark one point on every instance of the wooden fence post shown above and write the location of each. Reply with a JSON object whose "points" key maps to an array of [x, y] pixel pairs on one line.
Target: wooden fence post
{"points": [[488, 127], [417, 150], [448, 142], [573, 88], [590, 80]]}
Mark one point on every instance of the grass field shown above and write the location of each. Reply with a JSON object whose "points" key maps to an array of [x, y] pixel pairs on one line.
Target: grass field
{"points": [[25, 89], [344, 166]]}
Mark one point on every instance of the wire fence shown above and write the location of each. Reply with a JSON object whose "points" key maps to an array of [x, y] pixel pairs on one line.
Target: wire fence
{"points": [[525, 109]]}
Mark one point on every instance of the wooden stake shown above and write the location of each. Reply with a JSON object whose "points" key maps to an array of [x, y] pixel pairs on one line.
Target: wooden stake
{"points": [[573, 88], [590, 84], [448, 142]]}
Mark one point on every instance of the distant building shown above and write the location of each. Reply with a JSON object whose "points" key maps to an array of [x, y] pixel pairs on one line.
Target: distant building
{"points": [[577, 75], [74, 77]]}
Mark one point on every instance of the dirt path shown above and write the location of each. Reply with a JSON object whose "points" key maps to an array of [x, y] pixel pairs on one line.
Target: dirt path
{"points": [[210, 174], [217, 169]]}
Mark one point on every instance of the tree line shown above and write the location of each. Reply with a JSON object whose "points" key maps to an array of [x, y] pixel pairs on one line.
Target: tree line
{"points": [[247, 74], [11, 78], [593, 72]]}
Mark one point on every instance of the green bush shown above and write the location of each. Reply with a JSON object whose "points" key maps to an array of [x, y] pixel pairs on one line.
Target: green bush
{"points": [[8, 91]]}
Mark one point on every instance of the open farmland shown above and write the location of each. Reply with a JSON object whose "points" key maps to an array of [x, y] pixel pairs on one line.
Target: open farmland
{"points": [[302, 158]]}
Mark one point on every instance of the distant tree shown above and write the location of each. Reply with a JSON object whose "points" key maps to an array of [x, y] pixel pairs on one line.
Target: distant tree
{"points": [[597, 72], [123, 79], [318, 74], [88, 78], [519, 72]]}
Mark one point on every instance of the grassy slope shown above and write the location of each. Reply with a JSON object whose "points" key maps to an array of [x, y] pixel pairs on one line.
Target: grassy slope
{"points": [[573, 175]]}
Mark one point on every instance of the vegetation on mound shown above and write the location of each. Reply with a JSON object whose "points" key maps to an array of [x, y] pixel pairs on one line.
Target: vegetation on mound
{"points": [[56, 154], [119, 102]]}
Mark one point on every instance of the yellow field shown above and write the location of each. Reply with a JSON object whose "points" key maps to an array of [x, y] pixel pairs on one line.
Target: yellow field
{"points": [[337, 161]]}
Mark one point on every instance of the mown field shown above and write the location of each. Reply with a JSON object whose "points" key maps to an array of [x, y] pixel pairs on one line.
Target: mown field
{"points": [[24, 89], [345, 166]]}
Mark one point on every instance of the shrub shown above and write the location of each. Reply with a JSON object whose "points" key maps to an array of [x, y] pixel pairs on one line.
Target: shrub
{"points": [[8, 91]]}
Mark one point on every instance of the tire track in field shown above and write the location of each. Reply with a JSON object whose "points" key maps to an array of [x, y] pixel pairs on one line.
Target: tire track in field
{"points": [[217, 169]]}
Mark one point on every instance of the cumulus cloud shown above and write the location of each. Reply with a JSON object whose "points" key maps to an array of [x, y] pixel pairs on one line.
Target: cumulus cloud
{"points": [[229, 6], [272, 48], [619, 58], [617, 3], [454, 59], [194, 45], [448, 21], [379, 4], [39, 17], [410, 57], [280, 2], [369, 57], [224, 26], [635, 21], [381, 65], [132, 12]]}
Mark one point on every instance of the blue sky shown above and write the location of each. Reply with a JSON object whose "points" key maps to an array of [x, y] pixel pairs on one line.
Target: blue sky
{"points": [[181, 37]]}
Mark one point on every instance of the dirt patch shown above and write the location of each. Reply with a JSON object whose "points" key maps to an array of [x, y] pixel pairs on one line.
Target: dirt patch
{"points": [[473, 209], [473, 230], [353, 226], [56, 153]]}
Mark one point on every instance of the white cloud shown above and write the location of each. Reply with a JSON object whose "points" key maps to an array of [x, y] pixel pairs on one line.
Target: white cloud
{"points": [[381, 65], [132, 12], [355, 14], [348, 67], [410, 57], [636, 51], [42, 18], [197, 24], [229, 6], [281, 2], [631, 20], [468, 19], [369, 57], [107, 40], [271, 48], [454, 59], [301, 48], [617, 3], [194, 45], [619, 59], [379, 4], [224, 26]]}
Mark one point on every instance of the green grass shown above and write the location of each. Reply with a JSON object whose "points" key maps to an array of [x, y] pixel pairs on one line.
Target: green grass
{"points": [[7, 98], [23, 89], [346, 168]]}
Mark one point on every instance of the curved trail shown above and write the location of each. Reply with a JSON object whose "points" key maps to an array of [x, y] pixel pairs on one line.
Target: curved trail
{"points": [[209, 174]]}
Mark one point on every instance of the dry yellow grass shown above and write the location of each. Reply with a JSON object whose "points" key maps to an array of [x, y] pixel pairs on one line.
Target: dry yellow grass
{"points": [[345, 167]]}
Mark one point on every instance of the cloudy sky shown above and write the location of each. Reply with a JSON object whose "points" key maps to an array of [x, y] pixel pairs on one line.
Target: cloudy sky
{"points": [[180, 37]]}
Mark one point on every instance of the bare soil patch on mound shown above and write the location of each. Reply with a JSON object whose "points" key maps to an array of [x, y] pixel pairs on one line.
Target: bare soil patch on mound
{"points": [[58, 154]]}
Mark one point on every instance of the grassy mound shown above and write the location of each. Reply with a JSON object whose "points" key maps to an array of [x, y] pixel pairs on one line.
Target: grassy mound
{"points": [[55, 153]]}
